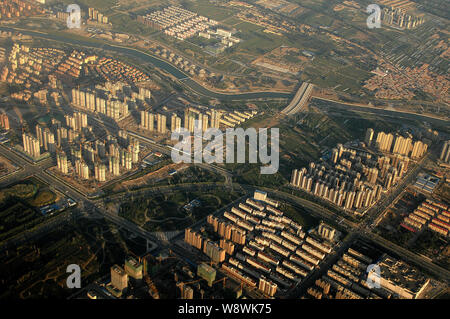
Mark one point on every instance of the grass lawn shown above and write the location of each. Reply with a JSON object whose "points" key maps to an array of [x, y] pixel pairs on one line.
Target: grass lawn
{"points": [[208, 10]]}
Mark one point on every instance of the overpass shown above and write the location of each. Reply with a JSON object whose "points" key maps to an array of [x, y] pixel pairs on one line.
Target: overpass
{"points": [[300, 99]]}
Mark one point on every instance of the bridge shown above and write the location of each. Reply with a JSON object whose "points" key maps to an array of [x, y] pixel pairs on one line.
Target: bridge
{"points": [[300, 99]]}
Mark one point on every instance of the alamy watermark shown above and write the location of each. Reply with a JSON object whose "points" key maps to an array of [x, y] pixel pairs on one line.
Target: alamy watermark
{"points": [[74, 279], [374, 19], [373, 276], [74, 18], [235, 146]]}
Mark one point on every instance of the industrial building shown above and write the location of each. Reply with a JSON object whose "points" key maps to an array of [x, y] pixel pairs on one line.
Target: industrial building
{"points": [[400, 278]]}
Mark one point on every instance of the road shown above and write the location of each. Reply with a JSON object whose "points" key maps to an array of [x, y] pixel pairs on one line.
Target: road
{"points": [[405, 254], [300, 99], [166, 151], [392, 113], [28, 168], [95, 207], [196, 87], [375, 212], [157, 62], [363, 230], [39, 171], [355, 230], [161, 148]]}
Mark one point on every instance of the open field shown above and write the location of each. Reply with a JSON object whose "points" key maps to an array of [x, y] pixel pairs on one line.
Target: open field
{"points": [[303, 139], [98, 4], [205, 8]]}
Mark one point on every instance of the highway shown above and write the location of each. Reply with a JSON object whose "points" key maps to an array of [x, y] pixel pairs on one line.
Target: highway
{"points": [[392, 113], [154, 145], [363, 230], [85, 203], [354, 230], [39, 171], [437, 271], [196, 87], [94, 207], [296, 99], [28, 168], [300, 99], [166, 151]]}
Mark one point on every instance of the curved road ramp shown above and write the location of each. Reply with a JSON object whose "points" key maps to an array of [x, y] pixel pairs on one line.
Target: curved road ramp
{"points": [[300, 99]]}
